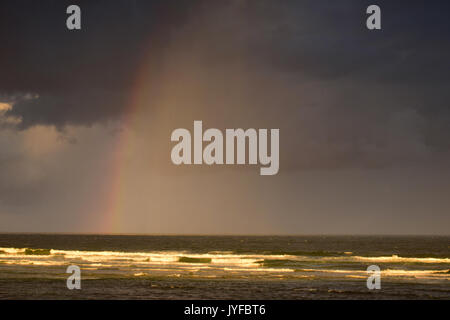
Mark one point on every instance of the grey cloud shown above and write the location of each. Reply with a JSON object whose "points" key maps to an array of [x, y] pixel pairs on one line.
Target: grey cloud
{"points": [[86, 77]]}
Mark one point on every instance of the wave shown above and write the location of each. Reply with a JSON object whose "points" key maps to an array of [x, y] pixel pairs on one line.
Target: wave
{"points": [[278, 263], [38, 252], [271, 257], [217, 264], [297, 253], [387, 272], [395, 258], [194, 260]]}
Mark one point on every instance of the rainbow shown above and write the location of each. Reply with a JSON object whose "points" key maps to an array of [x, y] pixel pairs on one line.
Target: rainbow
{"points": [[111, 208]]}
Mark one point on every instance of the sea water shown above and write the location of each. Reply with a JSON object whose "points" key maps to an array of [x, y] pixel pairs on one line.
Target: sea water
{"points": [[33, 266]]}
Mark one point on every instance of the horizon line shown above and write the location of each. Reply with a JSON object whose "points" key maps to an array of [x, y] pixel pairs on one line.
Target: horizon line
{"points": [[227, 234]]}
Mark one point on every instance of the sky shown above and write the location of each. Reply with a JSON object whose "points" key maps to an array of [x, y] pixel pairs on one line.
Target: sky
{"points": [[86, 116]]}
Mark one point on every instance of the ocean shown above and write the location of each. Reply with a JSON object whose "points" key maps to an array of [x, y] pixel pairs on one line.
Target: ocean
{"points": [[33, 266]]}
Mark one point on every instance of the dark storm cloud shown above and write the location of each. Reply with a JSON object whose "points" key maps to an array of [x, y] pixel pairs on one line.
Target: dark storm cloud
{"points": [[83, 76], [387, 87], [412, 47]]}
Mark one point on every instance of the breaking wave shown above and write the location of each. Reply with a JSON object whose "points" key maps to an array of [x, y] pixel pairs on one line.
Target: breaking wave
{"points": [[17, 262]]}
